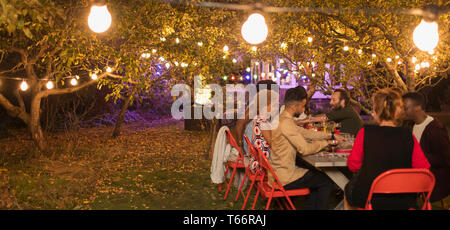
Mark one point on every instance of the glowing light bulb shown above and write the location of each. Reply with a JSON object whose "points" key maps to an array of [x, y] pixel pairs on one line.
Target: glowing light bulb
{"points": [[99, 19], [225, 48], [360, 51], [417, 67], [234, 60], [414, 59], [255, 30], [167, 65], [345, 48], [426, 36], [50, 85], [94, 76], [23, 86], [425, 64], [108, 69], [73, 82], [388, 59], [281, 61], [200, 43], [283, 45], [374, 55], [310, 39], [248, 69], [254, 48], [177, 40]]}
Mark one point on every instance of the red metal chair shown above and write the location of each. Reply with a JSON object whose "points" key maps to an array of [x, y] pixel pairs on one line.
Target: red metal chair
{"points": [[238, 163], [276, 189], [252, 176], [403, 181]]}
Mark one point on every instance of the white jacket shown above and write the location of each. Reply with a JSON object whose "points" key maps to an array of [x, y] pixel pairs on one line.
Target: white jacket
{"points": [[221, 153]]}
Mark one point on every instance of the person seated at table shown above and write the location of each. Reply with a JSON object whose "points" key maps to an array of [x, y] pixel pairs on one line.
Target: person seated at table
{"points": [[380, 148], [287, 140], [433, 138], [261, 136], [244, 125], [342, 112]]}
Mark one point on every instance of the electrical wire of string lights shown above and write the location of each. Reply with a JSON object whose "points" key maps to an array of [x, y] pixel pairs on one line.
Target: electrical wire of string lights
{"points": [[431, 11]]}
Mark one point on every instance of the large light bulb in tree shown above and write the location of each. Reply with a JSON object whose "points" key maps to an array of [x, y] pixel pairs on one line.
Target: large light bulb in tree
{"points": [[23, 86], [99, 19], [255, 30], [426, 36]]}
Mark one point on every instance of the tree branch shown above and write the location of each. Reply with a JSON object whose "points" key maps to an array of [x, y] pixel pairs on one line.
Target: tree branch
{"points": [[14, 111]]}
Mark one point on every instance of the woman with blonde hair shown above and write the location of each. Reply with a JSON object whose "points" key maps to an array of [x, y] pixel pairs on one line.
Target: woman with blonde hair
{"points": [[379, 148]]}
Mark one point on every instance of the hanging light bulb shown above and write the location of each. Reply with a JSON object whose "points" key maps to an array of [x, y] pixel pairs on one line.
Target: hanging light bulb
{"points": [[23, 85], [99, 19], [108, 69], [310, 39], [426, 36], [255, 30], [94, 76], [225, 48], [73, 81], [50, 85]]}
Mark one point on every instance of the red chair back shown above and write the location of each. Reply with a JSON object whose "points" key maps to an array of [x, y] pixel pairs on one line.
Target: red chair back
{"points": [[403, 181], [234, 144], [265, 164], [251, 148]]}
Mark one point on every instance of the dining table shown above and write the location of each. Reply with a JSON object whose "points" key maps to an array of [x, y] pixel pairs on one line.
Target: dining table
{"points": [[330, 163]]}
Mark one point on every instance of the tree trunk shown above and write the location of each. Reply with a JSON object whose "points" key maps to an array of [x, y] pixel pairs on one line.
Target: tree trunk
{"points": [[35, 125], [121, 116]]}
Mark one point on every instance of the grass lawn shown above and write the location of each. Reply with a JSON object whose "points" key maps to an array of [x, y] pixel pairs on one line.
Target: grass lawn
{"points": [[150, 166]]}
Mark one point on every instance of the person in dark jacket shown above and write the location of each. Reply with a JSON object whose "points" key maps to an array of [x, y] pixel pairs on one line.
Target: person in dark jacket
{"points": [[433, 138]]}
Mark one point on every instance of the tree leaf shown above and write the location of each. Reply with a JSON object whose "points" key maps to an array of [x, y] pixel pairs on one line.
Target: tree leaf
{"points": [[28, 33]]}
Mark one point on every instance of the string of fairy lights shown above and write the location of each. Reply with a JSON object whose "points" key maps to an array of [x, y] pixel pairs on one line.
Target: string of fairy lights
{"points": [[74, 80], [255, 31]]}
